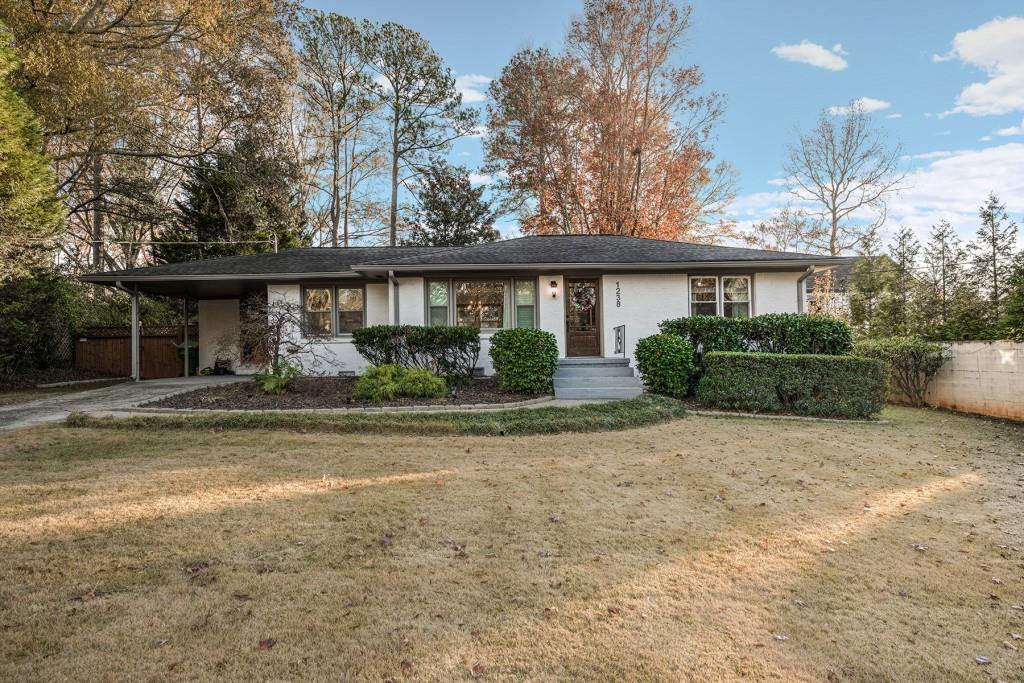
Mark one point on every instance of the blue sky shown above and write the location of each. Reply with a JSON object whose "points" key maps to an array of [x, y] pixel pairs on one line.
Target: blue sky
{"points": [[947, 77]]}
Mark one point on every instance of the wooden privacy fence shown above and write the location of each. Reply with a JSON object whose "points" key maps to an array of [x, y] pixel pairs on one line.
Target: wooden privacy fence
{"points": [[108, 350]]}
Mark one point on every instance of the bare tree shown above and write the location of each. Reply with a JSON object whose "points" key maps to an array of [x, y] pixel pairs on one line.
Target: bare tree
{"points": [[271, 335], [788, 230], [849, 171]]}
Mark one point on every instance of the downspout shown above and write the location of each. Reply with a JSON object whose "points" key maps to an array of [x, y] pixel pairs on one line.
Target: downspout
{"points": [[394, 286], [800, 293]]}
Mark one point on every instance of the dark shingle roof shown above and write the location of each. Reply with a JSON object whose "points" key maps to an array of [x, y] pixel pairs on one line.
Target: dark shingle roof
{"points": [[568, 250], [288, 261], [587, 249]]}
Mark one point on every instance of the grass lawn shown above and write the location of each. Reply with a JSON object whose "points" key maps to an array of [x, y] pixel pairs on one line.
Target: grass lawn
{"points": [[702, 548], [15, 396]]}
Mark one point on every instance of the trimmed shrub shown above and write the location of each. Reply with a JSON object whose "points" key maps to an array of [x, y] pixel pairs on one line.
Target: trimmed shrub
{"points": [[805, 384], [388, 382], [451, 352], [665, 362], [419, 383], [525, 359], [770, 333], [912, 362]]}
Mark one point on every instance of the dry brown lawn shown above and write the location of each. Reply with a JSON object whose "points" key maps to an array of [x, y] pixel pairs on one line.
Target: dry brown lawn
{"points": [[704, 549]]}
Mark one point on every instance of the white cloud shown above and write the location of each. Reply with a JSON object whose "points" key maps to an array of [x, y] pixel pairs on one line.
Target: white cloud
{"points": [[997, 47], [939, 154], [480, 179], [952, 186], [894, 116], [985, 138], [781, 182], [473, 87], [869, 104], [1012, 130], [806, 52]]}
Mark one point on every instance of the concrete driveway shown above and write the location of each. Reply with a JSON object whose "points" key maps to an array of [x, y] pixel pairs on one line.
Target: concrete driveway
{"points": [[117, 397]]}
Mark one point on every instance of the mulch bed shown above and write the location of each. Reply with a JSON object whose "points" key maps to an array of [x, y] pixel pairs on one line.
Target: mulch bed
{"points": [[325, 392]]}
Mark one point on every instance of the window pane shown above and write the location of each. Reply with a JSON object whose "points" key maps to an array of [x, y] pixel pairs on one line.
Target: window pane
{"points": [[480, 304], [526, 292], [736, 288], [439, 315], [736, 310], [318, 311], [524, 316], [438, 295], [704, 309], [704, 289], [350, 309]]}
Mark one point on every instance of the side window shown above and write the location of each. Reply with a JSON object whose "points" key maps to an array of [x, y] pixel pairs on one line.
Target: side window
{"points": [[703, 296], [736, 297], [317, 310], [526, 303], [350, 309], [437, 303]]}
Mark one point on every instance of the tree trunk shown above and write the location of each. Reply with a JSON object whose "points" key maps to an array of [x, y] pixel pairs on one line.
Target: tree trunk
{"points": [[393, 217], [97, 211]]}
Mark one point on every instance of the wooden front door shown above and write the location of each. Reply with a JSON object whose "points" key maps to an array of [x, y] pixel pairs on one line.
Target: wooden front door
{"points": [[582, 321]]}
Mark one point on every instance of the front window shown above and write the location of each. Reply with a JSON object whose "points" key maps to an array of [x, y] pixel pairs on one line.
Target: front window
{"points": [[480, 303], [736, 297], [704, 296], [526, 301], [437, 303], [350, 309], [317, 309]]}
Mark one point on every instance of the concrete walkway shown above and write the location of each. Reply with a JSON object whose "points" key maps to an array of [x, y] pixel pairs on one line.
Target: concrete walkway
{"points": [[108, 399]]}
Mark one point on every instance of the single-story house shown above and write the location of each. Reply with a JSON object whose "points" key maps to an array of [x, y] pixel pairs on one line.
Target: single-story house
{"points": [[598, 294]]}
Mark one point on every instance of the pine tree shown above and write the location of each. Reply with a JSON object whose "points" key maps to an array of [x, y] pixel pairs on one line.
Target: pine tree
{"points": [[897, 307], [992, 256], [450, 211], [870, 280], [944, 258], [1012, 323], [30, 210]]}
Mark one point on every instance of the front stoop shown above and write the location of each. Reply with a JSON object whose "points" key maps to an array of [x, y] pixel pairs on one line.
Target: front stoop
{"points": [[596, 378]]}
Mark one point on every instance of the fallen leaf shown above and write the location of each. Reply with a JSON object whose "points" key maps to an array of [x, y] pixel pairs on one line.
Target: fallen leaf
{"points": [[267, 643], [477, 670], [983, 661], [778, 636], [239, 595]]}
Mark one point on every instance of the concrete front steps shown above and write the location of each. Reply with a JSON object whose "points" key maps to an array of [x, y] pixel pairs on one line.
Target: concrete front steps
{"points": [[596, 378]]}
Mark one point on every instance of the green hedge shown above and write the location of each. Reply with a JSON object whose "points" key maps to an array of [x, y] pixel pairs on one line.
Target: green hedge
{"points": [[450, 352], [912, 362], [805, 384], [666, 363], [525, 359], [771, 333]]}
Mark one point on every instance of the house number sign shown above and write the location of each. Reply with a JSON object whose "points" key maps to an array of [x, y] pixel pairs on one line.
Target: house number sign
{"points": [[618, 296]]}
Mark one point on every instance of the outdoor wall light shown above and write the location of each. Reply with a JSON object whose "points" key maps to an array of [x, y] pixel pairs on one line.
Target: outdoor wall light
{"points": [[554, 288]]}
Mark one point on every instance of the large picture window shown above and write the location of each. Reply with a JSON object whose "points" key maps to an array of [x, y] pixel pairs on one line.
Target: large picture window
{"points": [[729, 295], [331, 310], [480, 303]]}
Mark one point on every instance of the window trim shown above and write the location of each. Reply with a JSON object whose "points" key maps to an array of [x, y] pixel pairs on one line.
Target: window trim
{"points": [[335, 332], [720, 292], [509, 303]]}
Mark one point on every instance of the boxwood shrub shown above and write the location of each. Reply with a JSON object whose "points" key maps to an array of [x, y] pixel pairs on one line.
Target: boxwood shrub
{"points": [[387, 382], [804, 384], [771, 333], [665, 362], [525, 359], [450, 352]]}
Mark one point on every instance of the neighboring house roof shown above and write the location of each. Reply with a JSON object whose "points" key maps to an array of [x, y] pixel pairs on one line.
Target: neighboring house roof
{"points": [[842, 274], [231, 275]]}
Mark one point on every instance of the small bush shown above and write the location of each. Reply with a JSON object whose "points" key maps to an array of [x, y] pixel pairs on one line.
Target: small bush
{"points": [[665, 362], [388, 382], [378, 383], [805, 384], [419, 383], [451, 352], [525, 359], [279, 379], [708, 333], [912, 362]]}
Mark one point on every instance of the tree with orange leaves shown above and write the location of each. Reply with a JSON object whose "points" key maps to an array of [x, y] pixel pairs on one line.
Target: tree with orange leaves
{"points": [[611, 135]]}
